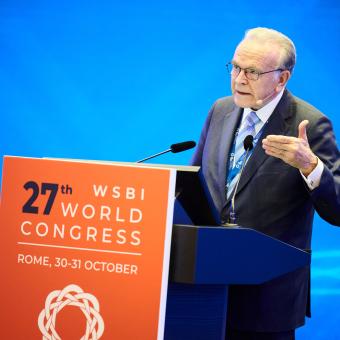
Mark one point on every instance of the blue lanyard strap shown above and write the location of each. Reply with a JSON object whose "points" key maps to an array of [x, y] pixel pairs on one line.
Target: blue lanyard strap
{"points": [[235, 168]]}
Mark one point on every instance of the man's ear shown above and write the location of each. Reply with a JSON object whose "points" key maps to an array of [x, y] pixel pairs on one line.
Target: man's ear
{"points": [[283, 79]]}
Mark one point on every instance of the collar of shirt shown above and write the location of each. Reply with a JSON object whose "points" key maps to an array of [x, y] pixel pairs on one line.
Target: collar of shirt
{"points": [[264, 112]]}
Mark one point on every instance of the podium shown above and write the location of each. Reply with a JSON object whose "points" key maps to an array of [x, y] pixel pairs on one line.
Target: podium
{"points": [[87, 229], [205, 260]]}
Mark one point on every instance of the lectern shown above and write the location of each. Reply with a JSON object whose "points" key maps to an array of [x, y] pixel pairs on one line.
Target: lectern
{"points": [[96, 236], [206, 259]]}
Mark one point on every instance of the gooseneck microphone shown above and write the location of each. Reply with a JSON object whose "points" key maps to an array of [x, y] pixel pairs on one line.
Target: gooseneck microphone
{"points": [[248, 145], [179, 147], [174, 148]]}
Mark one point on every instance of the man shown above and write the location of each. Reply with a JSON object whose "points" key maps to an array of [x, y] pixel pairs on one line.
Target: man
{"points": [[293, 170]]}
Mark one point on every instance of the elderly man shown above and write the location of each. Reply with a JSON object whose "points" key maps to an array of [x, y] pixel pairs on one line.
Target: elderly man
{"points": [[293, 170]]}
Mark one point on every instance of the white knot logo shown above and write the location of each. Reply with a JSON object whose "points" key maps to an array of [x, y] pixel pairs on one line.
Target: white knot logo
{"points": [[71, 295]]}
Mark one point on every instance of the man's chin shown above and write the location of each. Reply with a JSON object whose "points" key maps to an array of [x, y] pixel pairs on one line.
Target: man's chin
{"points": [[243, 102]]}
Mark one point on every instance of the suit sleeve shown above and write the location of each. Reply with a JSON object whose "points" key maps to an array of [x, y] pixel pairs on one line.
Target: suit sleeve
{"points": [[326, 197], [198, 154]]}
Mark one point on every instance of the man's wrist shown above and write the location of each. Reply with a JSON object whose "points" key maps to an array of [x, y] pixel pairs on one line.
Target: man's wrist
{"points": [[313, 164], [314, 178]]}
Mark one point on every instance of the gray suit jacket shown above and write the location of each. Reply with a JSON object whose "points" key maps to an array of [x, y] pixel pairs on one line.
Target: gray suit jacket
{"points": [[273, 198]]}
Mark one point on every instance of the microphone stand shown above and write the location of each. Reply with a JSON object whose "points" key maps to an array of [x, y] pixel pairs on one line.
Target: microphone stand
{"points": [[174, 148], [153, 156], [232, 214], [248, 145]]}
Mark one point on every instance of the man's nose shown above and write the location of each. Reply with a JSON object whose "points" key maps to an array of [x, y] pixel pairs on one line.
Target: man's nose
{"points": [[241, 78]]}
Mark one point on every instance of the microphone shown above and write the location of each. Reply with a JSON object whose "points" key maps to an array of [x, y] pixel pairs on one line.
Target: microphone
{"points": [[248, 145], [174, 148], [260, 102], [179, 147]]}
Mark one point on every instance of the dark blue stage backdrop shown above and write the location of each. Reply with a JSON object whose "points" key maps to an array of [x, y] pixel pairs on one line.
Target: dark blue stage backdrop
{"points": [[119, 80]]}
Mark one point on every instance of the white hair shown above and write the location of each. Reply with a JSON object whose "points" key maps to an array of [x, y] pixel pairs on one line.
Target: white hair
{"points": [[286, 45]]}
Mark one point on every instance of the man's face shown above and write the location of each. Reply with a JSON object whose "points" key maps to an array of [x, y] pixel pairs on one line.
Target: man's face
{"points": [[252, 54]]}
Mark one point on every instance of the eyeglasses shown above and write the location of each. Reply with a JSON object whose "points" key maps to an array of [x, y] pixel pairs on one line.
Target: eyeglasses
{"points": [[250, 72]]}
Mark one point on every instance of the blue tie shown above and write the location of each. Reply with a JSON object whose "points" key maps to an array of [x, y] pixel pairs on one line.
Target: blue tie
{"points": [[247, 128]]}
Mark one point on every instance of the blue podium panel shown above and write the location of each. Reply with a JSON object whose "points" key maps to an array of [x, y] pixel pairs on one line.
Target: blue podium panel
{"points": [[196, 312], [243, 256], [224, 255]]}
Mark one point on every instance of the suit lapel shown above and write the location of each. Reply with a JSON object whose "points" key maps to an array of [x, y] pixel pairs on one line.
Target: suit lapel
{"points": [[276, 126]]}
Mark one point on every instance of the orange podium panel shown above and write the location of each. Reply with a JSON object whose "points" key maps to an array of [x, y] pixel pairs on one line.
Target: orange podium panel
{"points": [[85, 249]]}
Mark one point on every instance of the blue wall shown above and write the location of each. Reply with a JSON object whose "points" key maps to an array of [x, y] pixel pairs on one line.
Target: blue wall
{"points": [[118, 80]]}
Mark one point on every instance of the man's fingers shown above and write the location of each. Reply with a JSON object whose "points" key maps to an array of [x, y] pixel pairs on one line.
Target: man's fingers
{"points": [[274, 151], [278, 145], [288, 139], [294, 151], [280, 139], [302, 130]]}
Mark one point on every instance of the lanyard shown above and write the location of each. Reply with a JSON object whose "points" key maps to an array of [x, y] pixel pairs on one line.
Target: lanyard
{"points": [[234, 168]]}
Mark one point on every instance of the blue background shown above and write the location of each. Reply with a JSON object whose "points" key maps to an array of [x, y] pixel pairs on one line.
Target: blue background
{"points": [[119, 80]]}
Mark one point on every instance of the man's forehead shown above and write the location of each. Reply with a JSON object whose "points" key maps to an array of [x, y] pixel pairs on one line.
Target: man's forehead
{"points": [[256, 53]]}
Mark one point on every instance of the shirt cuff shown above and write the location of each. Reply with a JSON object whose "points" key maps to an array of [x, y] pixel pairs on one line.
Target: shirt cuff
{"points": [[313, 179]]}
